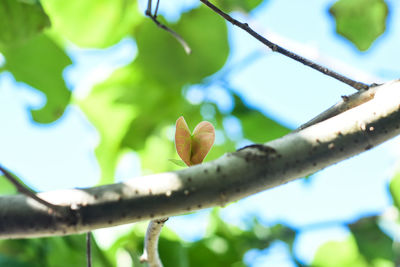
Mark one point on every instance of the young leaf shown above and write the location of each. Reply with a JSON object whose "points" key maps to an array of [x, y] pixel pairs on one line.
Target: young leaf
{"points": [[193, 148], [202, 141], [183, 140]]}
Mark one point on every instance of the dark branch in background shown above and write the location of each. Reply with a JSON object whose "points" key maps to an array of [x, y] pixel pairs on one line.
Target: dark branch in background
{"points": [[27, 191], [276, 48], [162, 26], [88, 249]]}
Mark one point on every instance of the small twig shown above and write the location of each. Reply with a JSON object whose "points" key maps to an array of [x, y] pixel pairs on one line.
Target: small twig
{"points": [[27, 191], [150, 252], [347, 102], [88, 249], [156, 10], [153, 17], [276, 48]]}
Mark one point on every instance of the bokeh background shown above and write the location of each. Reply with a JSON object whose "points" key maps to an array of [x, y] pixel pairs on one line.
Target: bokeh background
{"points": [[93, 98]]}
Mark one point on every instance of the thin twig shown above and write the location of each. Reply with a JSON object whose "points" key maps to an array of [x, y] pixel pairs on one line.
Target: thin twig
{"points": [[276, 48], [150, 251], [88, 249], [156, 10], [347, 102], [27, 191], [179, 38]]}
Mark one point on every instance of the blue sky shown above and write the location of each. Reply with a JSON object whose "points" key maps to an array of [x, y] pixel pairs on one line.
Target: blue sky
{"points": [[61, 155]]}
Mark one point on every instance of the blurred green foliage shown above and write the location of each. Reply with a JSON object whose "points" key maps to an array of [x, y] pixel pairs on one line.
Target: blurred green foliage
{"points": [[135, 108], [237, 5], [223, 244], [40, 62], [93, 23], [54, 251]]}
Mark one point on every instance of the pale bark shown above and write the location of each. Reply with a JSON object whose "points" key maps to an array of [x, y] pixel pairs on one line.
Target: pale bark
{"points": [[150, 251], [229, 178]]}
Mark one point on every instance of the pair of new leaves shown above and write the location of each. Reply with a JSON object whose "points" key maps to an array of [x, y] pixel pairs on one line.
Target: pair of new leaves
{"points": [[193, 148]]}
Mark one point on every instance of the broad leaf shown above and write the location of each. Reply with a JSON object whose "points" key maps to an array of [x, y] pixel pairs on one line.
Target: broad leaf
{"points": [[93, 23], [360, 21], [39, 63], [372, 243], [163, 58], [20, 21]]}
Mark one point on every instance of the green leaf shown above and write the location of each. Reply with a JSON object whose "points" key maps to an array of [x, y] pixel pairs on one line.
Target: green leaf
{"points": [[339, 253], [93, 23], [40, 62], [20, 21], [360, 21], [394, 188], [256, 126], [372, 243], [237, 5]]}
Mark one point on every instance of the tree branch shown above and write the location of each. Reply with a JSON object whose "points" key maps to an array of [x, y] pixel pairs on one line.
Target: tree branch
{"points": [[348, 102], [229, 178], [153, 17], [29, 192], [150, 253], [276, 48]]}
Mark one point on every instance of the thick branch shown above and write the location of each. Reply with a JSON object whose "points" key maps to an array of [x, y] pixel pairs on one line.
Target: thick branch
{"points": [[229, 178]]}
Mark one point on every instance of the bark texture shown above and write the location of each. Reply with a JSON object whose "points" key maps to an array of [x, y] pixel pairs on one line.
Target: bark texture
{"points": [[232, 177]]}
